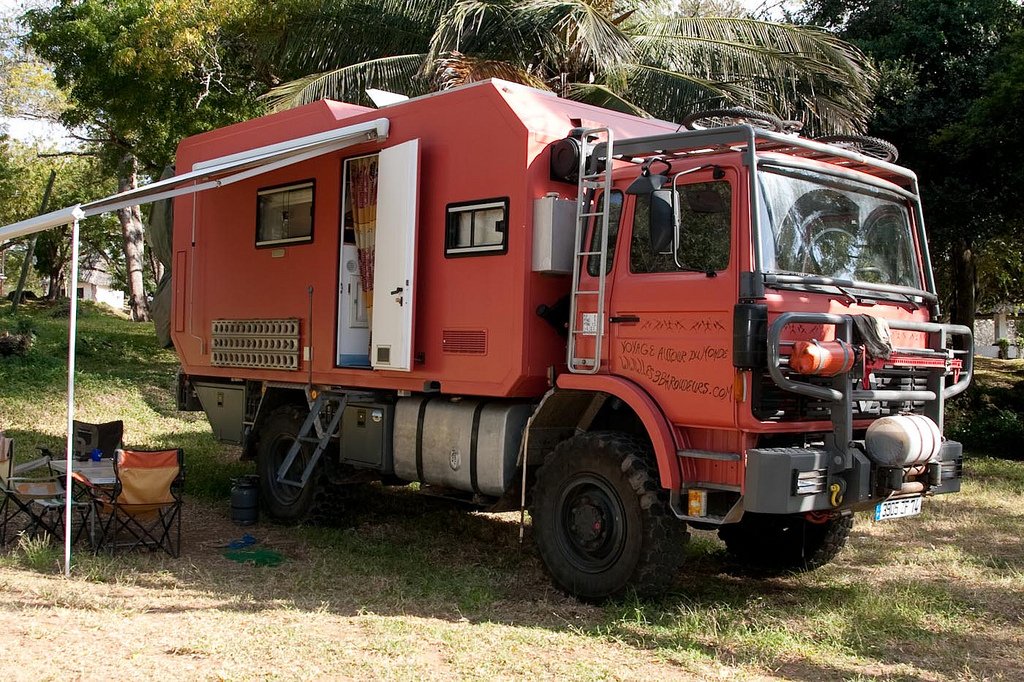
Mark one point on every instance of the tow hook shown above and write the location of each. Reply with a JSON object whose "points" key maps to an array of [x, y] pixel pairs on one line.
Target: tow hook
{"points": [[836, 492]]}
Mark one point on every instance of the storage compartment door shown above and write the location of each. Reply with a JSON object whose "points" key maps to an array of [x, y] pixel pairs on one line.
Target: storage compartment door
{"points": [[394, 271]]}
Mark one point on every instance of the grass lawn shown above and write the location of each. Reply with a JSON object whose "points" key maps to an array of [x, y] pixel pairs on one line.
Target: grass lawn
{"points": [[410, 588]]}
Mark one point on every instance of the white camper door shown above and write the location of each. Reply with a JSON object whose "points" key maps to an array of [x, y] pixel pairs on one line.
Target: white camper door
{"points": [[394, 269]]}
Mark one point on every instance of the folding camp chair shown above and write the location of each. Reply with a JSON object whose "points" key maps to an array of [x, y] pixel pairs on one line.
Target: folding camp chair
{"points": [[27, 501], [144, 507]]}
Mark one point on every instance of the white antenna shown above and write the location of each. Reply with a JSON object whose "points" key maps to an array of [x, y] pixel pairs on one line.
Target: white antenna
{"points": [[382, 98]]}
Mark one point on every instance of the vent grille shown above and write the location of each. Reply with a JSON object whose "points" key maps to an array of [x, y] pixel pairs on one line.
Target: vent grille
{"points": [[464, 341], [257, 344]]}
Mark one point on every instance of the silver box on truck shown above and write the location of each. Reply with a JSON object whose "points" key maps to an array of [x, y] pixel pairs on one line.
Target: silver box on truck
{"points": [[469, 445]]}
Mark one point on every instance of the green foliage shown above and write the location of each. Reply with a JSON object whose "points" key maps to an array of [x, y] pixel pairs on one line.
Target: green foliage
{"points": [[640, 57], [121, 374], [39, 553], [952, 78], [141, 74], [26, 84], [989, 416], [79, 179]]}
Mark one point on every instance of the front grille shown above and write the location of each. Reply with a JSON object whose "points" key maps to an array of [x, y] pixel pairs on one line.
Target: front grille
{"points": [[772, 403]]}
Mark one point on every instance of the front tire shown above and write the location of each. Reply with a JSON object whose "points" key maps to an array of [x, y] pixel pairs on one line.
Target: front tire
{"points": [[773, 544], [601, 521]]}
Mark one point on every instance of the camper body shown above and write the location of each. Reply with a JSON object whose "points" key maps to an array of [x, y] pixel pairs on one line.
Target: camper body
{"points": [[513, 298]]}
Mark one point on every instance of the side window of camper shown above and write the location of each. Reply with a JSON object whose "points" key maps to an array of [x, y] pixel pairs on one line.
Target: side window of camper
{"points": [[284, 215], [477, 228], [614, 214], [704, 211]]}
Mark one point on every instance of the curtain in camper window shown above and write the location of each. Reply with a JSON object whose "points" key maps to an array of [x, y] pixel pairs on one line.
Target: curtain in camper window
{"points": [[363, 190]]}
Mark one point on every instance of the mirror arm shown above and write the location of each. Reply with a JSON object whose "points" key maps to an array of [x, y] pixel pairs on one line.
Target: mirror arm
{"points": [[676, 213]]}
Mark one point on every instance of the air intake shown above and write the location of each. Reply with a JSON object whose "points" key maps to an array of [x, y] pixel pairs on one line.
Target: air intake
{"points": [[464, 341], [256, 344]]}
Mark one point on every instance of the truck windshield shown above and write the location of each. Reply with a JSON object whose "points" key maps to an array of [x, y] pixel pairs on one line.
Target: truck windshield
{"points": [[819, 225]]}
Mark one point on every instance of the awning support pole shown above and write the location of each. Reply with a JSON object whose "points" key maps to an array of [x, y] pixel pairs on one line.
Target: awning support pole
{"points": [[69, 449]]}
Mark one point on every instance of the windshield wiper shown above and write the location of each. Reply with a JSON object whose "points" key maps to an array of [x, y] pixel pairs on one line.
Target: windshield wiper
{"points": [[805, 282]]}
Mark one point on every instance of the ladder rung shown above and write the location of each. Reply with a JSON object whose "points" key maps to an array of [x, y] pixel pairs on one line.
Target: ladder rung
{"points": [[588, 253], [591, 215], [587, 292]]}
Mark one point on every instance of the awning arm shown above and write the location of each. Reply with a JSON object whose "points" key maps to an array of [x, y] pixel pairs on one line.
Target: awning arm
{"points": [[64, 216]]}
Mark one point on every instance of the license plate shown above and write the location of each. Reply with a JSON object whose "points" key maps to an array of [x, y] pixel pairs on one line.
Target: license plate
{"points": [[896, 509]]}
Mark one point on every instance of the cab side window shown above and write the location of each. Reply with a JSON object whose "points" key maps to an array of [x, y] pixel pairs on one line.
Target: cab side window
{"points": [[614, 215], [705, 231]]}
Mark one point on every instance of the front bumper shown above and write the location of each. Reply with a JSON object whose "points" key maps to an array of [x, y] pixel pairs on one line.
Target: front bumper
{"points": [[797, 480]]}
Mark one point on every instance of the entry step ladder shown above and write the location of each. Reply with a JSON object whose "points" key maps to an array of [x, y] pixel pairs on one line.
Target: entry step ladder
{"points": [[594, 176], [314, 432]]}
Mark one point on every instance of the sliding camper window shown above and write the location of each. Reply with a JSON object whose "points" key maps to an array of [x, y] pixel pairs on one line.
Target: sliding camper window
{"points": [[284, 214], [477, 228]]}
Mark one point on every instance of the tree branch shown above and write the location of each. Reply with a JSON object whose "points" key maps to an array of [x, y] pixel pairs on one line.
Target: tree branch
{"points": [[50, 155]]}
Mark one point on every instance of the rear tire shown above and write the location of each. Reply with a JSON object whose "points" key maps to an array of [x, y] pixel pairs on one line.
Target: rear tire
{"points": [[601, 522], [282, 502], [773, 544]]}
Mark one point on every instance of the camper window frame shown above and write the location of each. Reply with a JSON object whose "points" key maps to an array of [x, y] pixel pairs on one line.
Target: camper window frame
{"points": [[273, 189], [453, 210]]}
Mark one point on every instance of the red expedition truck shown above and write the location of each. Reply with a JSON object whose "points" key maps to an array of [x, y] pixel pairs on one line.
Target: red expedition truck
{"points": [[627, 327]]}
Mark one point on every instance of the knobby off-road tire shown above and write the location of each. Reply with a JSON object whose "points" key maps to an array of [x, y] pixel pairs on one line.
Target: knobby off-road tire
{"points": [[319, 501], [863, 144], [715, 118], [601, 522], [769, 544]]}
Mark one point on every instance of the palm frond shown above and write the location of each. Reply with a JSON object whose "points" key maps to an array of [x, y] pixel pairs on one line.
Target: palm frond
{"points": [[603, 96], [671, 95], [457, 69], [553, 36], [397, 74], [324, 35], [788, 69]]}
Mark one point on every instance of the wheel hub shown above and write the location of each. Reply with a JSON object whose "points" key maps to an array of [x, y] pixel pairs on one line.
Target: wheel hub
{"points": [[587, 520], [592, 534]]}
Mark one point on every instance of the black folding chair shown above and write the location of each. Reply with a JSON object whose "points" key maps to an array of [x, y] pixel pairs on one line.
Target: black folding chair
{"points": [[103, 437], [26, 500]]}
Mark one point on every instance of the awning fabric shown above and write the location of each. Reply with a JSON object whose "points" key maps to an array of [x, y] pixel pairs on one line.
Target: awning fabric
{"points": [[211, 174]]}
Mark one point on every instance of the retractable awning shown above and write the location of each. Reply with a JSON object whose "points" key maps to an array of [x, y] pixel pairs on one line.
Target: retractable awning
{"points": [[211, 174], [203, 176]]}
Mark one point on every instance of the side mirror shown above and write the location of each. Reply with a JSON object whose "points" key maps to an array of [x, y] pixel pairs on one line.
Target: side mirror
{"points": [[662, 221]]}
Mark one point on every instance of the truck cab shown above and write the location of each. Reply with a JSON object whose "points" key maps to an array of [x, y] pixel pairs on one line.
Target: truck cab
{"points": [[774, 297]]}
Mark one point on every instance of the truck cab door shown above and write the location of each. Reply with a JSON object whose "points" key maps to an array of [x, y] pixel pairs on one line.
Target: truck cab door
{"points": [[671, 300], [394, 273]]}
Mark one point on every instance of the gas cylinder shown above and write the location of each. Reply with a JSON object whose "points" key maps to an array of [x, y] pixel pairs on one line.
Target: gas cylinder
{"points": [[245, 509]]}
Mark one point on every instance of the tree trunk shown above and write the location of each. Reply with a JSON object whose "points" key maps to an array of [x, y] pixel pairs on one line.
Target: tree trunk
{"points": [[132, 231], [965, 285], [155, 267]]}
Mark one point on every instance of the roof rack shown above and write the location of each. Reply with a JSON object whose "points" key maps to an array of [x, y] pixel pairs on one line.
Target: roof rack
{"points": [[746, 138]]}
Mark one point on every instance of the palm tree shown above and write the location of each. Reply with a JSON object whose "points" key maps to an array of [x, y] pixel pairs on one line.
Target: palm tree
{"points": [[631, 55]]}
